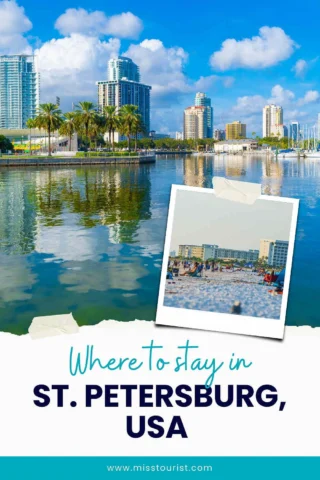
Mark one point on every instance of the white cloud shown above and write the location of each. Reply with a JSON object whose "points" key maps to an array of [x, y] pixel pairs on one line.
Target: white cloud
{"points": [[96, 23], [14, 23], [300, 68], [270, 47], [70, 66], [311, 96], [281, 96], [163, 68], [160, 67], [249, 104]]}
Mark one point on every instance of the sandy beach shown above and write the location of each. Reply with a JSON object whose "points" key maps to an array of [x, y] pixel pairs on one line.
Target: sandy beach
{"points": [[217, 292]]}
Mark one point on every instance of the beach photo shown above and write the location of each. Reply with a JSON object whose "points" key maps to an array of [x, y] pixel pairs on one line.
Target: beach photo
{"points": [[227, 259]]}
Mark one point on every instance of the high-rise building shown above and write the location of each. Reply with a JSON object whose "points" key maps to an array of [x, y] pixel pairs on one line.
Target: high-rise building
{"points": [[294, 132], [124, 88], [272, 121], [264, 248], [179, 135], [236, 130], [278, 253], [219, 134], [123, 68], [202, 100], [19, 90], [194, 124], [318, 126]]}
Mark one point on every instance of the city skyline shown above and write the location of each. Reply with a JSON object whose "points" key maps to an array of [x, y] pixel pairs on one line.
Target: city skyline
{"points": [[251, 64], [207, 219]]}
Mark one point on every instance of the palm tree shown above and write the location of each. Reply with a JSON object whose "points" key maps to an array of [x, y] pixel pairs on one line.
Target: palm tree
{"points": [[112, 121], [138, 127], [69, 126], [128, 115], [96, 127], [86, 114], [49, 118], [31, 123]]}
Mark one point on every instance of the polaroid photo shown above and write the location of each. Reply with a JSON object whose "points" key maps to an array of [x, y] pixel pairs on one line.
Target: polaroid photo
{"points": [[226, 264]]}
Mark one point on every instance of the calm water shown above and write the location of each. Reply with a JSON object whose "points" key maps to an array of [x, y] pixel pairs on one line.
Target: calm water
{"points": [[89, 240]]}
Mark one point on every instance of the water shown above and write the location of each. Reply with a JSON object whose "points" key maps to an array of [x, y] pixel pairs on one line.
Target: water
{"points": [[89, 240]]}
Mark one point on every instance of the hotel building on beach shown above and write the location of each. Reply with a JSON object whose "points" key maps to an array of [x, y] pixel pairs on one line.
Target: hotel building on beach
{"points": [[206, 251], [273, 252]]}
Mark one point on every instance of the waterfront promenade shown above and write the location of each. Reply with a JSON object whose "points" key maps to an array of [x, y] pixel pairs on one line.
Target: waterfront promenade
{"points": [[37, 161]]}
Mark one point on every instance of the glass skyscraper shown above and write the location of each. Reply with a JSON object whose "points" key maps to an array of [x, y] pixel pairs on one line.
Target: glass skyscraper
{"points": [[202, 100], [123, 87], [294, 133], [19, 90], [123, 67]]}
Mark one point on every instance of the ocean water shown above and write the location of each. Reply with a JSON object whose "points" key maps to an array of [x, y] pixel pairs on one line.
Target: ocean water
{"points": [[89, 240]]}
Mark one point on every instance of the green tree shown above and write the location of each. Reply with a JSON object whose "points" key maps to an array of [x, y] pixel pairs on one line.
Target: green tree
{"points": [[31, 123], [128, 118], [5, 144], [138, 127], [50, 119], [69, 126], [86, 116], [112, 122]]}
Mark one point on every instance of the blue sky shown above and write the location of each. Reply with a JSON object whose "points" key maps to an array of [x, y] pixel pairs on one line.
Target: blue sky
{"points": [[242, 56]]}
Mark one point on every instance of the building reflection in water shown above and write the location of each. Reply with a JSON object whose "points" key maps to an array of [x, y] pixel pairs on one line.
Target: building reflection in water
{"points": [[198, 171], [272, 177]]}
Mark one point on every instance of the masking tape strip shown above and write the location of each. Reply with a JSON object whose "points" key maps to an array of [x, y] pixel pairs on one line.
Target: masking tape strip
{"points": [[52, 325], [243, 192]]}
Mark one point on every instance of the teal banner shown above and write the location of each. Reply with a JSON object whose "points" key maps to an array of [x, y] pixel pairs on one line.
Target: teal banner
{"points": [[99, 468]]}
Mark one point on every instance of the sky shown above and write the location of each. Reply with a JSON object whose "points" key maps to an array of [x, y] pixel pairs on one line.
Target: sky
{"points": [[243, 57], [202, 218]]}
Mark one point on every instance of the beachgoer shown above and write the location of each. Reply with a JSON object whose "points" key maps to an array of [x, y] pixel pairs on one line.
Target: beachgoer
{"points": [[192, 270], [236, 307]]}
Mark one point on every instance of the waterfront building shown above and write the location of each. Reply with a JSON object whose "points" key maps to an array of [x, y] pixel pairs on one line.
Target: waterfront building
{"points": [[272, 121], [235, 146], [206, 252], [194, 124], [294, 132], [219, 134], [189, 251], [179, 136], [125, 91], [318, 126], [202, 100], [264, 248], [236, 130], [123, 68], [278, 253], [19, 90]]}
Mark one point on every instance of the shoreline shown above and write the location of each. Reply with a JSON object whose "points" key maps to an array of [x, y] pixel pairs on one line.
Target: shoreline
{"points": [[58, 161]]}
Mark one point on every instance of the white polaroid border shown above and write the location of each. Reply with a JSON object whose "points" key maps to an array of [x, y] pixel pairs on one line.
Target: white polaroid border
{"points": [[224, 322]]}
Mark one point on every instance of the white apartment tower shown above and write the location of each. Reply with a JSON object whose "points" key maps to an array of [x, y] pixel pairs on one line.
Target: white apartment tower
{"points": [[195, 123], [273, 121]]}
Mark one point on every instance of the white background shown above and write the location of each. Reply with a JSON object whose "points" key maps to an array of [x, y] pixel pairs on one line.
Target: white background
{"points": [[291, 365]]}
